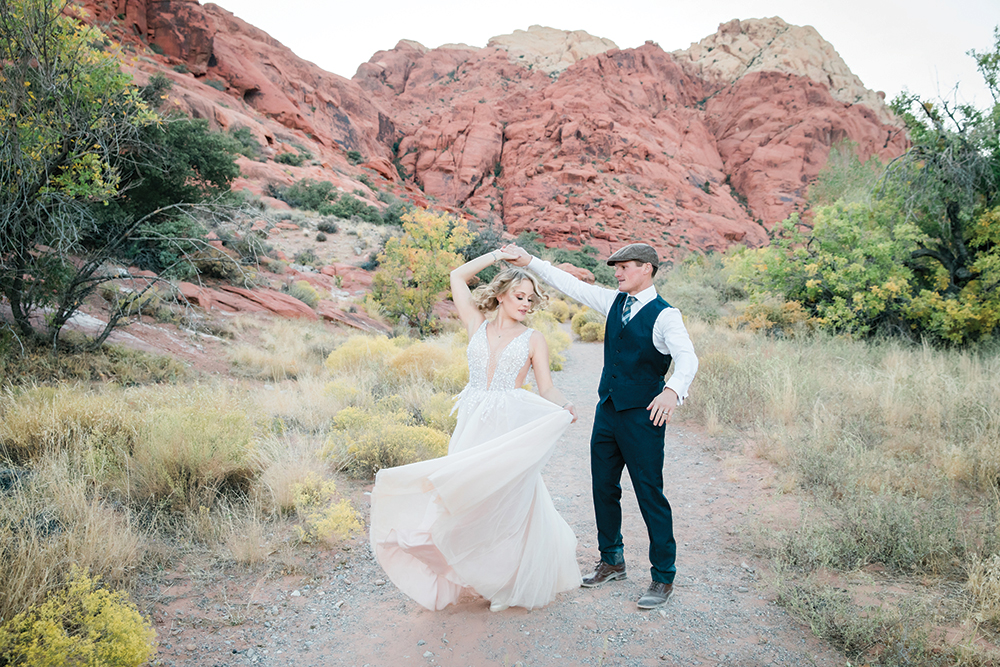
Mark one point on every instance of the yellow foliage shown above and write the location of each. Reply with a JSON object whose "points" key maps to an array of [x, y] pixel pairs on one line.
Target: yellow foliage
{"points": [[305, 292], [362, 352], [556, 339], [585, 316], [79, 625], [559, 309], [437, 412], [325, 518], [365, 441], [420, 360], [592, 332]]}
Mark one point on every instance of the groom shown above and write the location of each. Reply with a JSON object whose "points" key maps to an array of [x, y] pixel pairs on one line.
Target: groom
{"points": [[642, 334]]}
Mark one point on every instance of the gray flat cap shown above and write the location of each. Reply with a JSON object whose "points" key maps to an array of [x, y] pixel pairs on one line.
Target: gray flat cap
{"points": [[637, 251]]}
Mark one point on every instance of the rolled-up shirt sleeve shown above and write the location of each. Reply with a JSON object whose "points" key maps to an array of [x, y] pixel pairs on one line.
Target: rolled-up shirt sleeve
{"points": [[598, 298], [670, 336]]}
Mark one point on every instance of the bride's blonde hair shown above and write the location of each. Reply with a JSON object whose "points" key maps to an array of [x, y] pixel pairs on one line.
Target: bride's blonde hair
{"points": [[485, 296]]}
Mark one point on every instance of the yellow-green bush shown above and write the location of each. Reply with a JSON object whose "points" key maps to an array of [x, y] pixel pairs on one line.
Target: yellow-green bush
{"points": [[81, 624], [585, 316], [592, 332], [559, 310], [436, 411], [131, 302], [324, 517], [192, 450], [305, 292], [420, 360], [365, 441], [362, 352]]}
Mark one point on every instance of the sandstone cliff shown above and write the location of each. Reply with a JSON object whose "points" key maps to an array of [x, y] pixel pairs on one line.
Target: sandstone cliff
{"points": [[547, 130]]}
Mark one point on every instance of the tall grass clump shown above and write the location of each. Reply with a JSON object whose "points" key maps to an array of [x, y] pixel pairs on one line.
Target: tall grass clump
{"points": [[281, 349]]}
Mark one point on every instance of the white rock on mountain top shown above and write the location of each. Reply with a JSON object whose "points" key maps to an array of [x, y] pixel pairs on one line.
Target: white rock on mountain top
{"points": [[755, 45], [549, 49]]}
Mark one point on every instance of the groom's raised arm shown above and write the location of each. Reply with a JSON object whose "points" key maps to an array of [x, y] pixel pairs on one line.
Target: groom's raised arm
{"points": [[596, 297]]}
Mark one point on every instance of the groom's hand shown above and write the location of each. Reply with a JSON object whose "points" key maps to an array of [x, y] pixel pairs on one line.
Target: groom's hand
{"points": [[521, 256], [662, 407]]}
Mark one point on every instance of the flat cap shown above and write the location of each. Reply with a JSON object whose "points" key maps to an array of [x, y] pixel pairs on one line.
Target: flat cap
{"points": [[637, 251]]}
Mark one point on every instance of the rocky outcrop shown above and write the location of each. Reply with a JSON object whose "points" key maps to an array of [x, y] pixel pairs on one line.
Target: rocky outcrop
{"points": [[544, 130], [741, 48], [548, 49]]}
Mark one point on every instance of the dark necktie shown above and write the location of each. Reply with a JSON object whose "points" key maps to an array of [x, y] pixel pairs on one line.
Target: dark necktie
{"points": [[627, 311]]}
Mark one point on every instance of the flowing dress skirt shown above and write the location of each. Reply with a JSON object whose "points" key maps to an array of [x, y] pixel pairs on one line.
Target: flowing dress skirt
{"points": [[479, 518]]}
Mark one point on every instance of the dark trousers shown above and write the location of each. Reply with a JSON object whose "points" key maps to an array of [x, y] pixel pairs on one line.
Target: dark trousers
{"points": [[629, 439]]}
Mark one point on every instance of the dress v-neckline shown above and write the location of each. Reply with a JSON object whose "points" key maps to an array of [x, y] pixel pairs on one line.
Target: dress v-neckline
{"points": [[491, 365]]}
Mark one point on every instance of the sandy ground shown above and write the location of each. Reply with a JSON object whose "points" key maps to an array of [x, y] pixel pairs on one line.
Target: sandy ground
{"points": [[338, 609]]}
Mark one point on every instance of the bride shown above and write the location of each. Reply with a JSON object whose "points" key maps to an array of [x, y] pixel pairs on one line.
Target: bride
{"points": [[481, 518]]}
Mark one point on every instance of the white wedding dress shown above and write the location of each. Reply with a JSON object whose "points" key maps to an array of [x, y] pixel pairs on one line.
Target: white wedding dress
{"points": [[480, 518]]}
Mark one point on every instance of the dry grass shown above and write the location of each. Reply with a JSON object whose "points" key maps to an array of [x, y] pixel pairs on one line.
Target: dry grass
{"points": [[895, 451], [281, 349]]}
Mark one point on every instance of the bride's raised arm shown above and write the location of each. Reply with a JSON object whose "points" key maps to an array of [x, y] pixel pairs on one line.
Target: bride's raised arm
{"points": [[461, 294]]}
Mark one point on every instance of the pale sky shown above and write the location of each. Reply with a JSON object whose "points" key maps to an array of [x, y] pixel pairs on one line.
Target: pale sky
{"points": [[890, 44]]}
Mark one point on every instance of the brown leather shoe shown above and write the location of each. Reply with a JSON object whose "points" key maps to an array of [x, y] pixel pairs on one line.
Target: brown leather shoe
{"points": [[604, 573], [656, 595]]}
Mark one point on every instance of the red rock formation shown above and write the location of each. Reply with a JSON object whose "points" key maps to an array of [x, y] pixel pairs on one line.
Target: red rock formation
{"points": [[689, 151]]}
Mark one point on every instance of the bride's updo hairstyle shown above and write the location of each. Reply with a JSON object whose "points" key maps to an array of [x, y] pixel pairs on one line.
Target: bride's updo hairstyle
{"points": [[485, 296]]}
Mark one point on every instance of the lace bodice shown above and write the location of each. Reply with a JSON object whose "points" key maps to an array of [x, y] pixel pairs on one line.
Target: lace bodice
{"points": [[504, 366]]}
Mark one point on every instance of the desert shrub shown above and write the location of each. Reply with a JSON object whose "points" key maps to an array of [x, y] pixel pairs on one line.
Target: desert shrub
{"points": [[80, 624], [50, 518], [199, 446], [348, 206], [285, 349], [585, 258], [485, 238], [44, 420], [215, 83], [320, 237], [131, 302], [327, 227], [437, 413], [592, 332], [362, 352], [771, 316], [304, 292], [248, 145], [323, 516], [34, 363], [307, 258], [585, 316], [289, 158], [420, 360], [559, 310], [355, 157], [414, 269], [700, 287], [363, 442], [308, 194]]}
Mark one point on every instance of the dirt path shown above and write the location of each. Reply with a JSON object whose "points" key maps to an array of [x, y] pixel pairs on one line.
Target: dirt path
{"points": [[346, 614]]}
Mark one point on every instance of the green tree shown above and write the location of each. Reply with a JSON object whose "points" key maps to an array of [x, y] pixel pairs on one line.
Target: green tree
{"points": [[66, 113], [915, 249], [88, 171], [414, 269]]}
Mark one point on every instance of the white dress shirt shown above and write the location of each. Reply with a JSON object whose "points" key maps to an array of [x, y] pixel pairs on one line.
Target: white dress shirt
{"points": [[670, 336]]}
